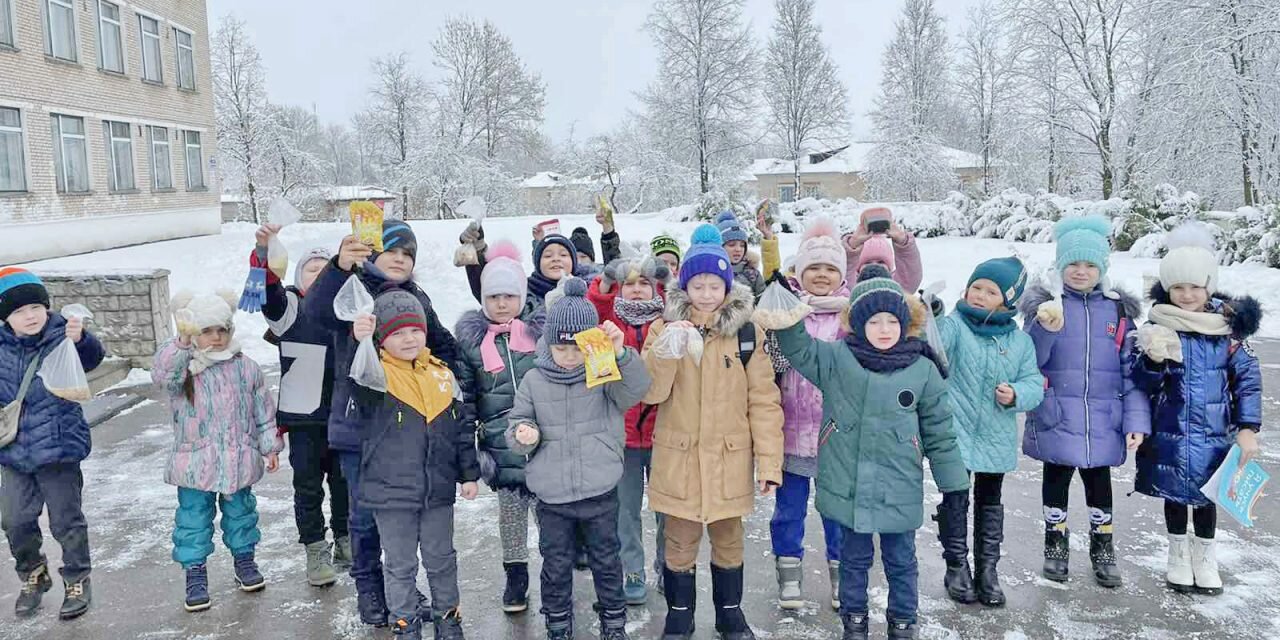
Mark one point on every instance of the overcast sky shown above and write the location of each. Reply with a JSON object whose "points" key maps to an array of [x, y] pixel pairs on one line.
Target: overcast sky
{"points": [[593, 55]]}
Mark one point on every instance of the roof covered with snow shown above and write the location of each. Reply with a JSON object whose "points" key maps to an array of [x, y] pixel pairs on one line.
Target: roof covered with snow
{"points": [[850, 159], [348, 193]]}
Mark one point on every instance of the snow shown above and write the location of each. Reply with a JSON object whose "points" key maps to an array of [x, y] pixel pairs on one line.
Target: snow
{"points": [[348, 193], [851, 159]]}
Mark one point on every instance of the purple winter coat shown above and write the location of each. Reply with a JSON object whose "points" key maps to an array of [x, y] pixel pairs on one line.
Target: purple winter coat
{"points": [[801, 400], [1090, 402]]}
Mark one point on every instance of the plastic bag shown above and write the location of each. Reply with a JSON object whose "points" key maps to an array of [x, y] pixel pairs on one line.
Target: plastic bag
{"points": [[601, 362], [678, 341], [778, 308], [467, 254], [366, 224], [61, 370], [932, 335], [283, 214], [352, 302]]}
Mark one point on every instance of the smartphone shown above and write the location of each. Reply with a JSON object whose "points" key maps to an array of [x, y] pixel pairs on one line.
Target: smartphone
{"points": [[878, 226], [550, 227]]}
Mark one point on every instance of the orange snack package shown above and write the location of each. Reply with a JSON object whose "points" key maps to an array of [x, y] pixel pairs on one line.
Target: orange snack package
{"points": [[366, 224], [601, 362]]}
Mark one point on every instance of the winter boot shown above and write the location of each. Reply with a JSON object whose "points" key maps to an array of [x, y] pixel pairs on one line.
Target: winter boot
{"points": [[320, 571], [902, 630], [988, 535], [790, 574], [424, 607], [634, 590], [515, 598], [449, 625], [1103, 554], [953, 533], [682, 599], [833, 571], [581, 562], [856, 626], [247, 574], [726, 594], [1204, 565], [613, 624], [197, 589], [560, 626], [1179, 575], [76, 600], [371, 603], [34, 586], [407, 629], [342, 558], [1057, 553]]}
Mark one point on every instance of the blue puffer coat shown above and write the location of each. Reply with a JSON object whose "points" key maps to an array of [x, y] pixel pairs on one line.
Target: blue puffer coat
{"points": [[1198, 405], [51, 430]]}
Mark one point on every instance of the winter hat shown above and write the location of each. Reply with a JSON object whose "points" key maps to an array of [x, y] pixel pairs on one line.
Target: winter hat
{"points": [[730, 228], [1191, 259], [318, 253], [396, 234], [628, 270], [503, 274], [664, 243], [571, 314], [876, 295], [397, 309], [1008, 273], [878, 248], [208, 310], [821, 245], [582, 242], [1083, 239], [706, 255], [555, 239], [19, 288]]}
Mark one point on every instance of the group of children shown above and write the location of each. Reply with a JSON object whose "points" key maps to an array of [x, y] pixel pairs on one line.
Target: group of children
{"points": [[714, 406]]}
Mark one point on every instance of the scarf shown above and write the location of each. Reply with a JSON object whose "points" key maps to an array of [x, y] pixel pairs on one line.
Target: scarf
{"points": [[988, 324], [540, 285], [518, 340], [835, 303], [202, 359], [1203, 322], [554, 372], [898, 357], [638, 313], [425, 384]]}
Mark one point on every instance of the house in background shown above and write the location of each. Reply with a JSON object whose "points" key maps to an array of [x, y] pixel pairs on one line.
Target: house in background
{"points": [[106, 125], [550, 193], [838, 173], [333, 204]]}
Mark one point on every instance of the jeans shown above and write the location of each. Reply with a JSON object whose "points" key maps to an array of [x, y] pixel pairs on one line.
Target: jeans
{"points": [[313, 464], [595, 520], [635, 470], [366, 546], [404, 532], [193, 524], [898, 555], [24, 496], [790, 508]]}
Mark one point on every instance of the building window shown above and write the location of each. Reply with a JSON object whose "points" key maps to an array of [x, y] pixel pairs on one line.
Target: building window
{"points": [[13, 166], [151, 67], [110, 37], [60, 29], [161, 168], [787, 193], [195, 160], [6, 24], [120, 155], [812, 190], [186, 59], [70, 154]]}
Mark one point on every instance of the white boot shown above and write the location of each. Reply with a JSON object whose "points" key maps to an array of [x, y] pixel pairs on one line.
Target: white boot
{"points": [[1179, 576], [790, 575], [1204, 564]]}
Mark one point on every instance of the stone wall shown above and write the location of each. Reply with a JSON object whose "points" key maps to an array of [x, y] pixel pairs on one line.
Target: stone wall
{"points": [[130, 308]]}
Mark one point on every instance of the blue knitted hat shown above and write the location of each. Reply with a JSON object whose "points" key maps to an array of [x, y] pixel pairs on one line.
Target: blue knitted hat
{"points": [[706, 255], [730, 227], [1008, 273], [570, 315], [876, 295], [397, 234], [1083, 239]]}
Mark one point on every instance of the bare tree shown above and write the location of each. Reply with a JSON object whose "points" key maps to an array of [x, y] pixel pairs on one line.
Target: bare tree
{"points": [[340, 150], [296, 165], [241, 111], [984, 81], [394, 120]]}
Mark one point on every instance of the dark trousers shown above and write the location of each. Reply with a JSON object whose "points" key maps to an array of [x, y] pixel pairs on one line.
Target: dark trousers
{"points": [[1205, 518], [23, 496], [898, 555], [405, 533], [595, 521], [314, 464], [366, 546], [988, 488], [1097, 495]]}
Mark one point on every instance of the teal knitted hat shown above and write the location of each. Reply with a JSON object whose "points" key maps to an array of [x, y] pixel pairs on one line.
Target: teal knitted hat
{"points": [[1084, 239], [1008, 273]]}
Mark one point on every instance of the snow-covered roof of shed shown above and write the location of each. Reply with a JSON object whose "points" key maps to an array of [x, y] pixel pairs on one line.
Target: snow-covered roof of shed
{"points": [[356, 192], [850, 159]]}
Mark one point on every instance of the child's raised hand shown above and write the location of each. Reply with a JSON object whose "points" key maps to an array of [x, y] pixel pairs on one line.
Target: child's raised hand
{"points": [[1248, 441], [352, 253], [75, 329], [469, 490], [538, 233], [1134, 440], [364, 326], [1005, 394], [273, 462], [527, 435], [616, 336], [264, 233]]}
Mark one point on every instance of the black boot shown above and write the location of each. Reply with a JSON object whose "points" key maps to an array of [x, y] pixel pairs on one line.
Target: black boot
{"points": [[372, 603], [613, 624], [34, 585], [682, 597], [1057, 553], [407, 629], [988, 535], [1103, 554], [516, 597], [953, 533], [902, 631], [77, 599], [559, 625], [448, 626], [726, 594], [856, 626]]}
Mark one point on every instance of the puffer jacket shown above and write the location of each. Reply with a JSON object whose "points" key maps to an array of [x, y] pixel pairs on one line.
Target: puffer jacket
{"points": [[719, 423], [747, 272], [1198, 405], [51, 430], [801, 399], [1090, 401], [642, 417], [493, 394]]}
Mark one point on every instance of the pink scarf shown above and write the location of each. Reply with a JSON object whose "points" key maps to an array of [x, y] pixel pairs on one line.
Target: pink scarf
{"points": [[518, 339]]}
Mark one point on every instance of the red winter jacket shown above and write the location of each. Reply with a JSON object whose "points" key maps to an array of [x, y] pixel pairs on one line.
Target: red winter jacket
{"points": [[639, 436]]}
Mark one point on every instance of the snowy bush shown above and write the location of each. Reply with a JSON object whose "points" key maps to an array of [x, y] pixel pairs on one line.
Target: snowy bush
{"points": [[1141, 228], [1255, 238], [1017, 217]]}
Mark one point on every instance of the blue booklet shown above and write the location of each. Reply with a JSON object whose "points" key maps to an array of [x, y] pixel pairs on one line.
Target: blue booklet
{"points": [[1236, 489]]}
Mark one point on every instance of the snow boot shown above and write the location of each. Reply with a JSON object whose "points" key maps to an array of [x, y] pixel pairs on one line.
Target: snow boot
{"points": [[953, 532], [320, 572], [1204, 565], [790, 574], [197, 589], [1179, 575], [34, 585], [247, 574], [560, 626], [682, 599], [449, 625], [902, 630], [515, 598], [988, 535], [726, 595], [833, 571], [76, 600], [342, 558], [581, 562], [407, 629], [634, 590], [1103, 554], [613, 624], [371, 602], [856, 626], [1057, 553]]}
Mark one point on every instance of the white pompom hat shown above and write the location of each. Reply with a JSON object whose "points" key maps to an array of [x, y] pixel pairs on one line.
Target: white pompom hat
{"points": [[1190, 258]]}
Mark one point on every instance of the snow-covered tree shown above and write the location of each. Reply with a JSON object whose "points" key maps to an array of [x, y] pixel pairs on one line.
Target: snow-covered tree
{"points": [[242, 113], [340, 153], [984, 82], [394, 122], [295, 163]]}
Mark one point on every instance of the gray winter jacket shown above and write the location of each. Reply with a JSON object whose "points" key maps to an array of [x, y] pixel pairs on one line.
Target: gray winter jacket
{"points": [[582, 432]]}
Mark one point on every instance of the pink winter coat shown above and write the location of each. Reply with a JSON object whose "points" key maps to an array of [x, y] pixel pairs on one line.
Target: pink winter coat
{"points": [[908, 271], [801, 400]]}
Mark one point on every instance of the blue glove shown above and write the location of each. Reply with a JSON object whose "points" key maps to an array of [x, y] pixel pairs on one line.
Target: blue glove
{"points": [[255, 291]]}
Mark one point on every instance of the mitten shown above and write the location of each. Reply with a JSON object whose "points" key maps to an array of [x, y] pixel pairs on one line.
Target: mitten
{"points": [[1050, 316], [474, 236], [1160, 343]]}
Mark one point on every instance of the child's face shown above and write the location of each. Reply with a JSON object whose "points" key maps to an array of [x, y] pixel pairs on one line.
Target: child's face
{"points": [[585, 259], [736, 249], [405, 344], [310, 271], [985, 295], [396, 263], [638, 289], [213, 339], [820, 279], [1082, 276], [673, 263], [883, 330], [502, 308], [1189, 297], [567, 356], [706, 292], [28, 320], [556, 262]]}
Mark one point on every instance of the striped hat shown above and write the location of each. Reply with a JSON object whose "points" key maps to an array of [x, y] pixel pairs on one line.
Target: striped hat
{"points": [[19, 288], [571, 314], [877, 295], [397, 234], [398, 309]]}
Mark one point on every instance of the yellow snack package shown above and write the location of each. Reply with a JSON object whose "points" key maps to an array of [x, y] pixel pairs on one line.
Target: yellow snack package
{"points": [[366, 224], [601, 363], [605, 209]]}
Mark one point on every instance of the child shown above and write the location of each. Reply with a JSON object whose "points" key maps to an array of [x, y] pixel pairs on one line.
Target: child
{"points": [[41, 466], [417, 445], [719, 418], [630, 294], [574, 437], [1091, 411], [306, 389], [224, 427], [498, 348], [820, 280], [879, 240], [745, 263], [1206, 391], [993, 378], [666, 249], [554, 258], [884, 410]]}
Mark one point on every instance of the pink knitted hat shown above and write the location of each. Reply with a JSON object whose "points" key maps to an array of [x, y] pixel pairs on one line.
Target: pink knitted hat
{"points": [[821, 245], [877, 248]]}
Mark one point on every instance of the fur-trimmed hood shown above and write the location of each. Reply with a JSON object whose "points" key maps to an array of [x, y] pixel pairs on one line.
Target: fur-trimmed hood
{"points": [[1245, 313], [1038, 294], [473, 325], [731, 316]]}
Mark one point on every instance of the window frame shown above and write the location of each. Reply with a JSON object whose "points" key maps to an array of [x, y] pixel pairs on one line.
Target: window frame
{"points": [[191, 53], [22, 144], [8, 37], [782, 192], [113, 167], [62, 177], [154, 142], [49, 49], [143, 36], [199, 164], [118, 23]]}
